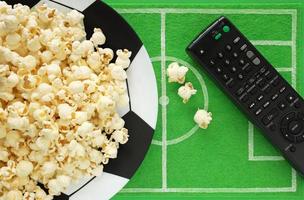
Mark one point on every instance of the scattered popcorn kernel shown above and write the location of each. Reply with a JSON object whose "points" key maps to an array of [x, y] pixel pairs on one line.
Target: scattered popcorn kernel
{"points": [[186, 91], [176, 73], [202, 118], [98, 38]]}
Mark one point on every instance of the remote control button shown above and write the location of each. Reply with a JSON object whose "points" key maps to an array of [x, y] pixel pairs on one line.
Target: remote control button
{"points": [[228, 47], [267, 73], [225, 77], [251, 80], [201, 51], [275, 81], [266, 88], [230, 83], [256, 61], [218, 36], [249, 54], [245, 66], [235, 55], [236, 40], [259, 80], [240, 76], [242, 62], [287, 118], [283, 88], [244, 97], [262, 83], [262, 70], [227, 62], [290, 98], [251, 105], [271, 115], [289, 137], [295, 127], [220, 55], [266, 104], [226, 28], [243, 47], [218, 70], [260, 97], [258, 111], [251, 89], [211, 62], [240, 91], [233, 69], [274, 97], [282, 105]]}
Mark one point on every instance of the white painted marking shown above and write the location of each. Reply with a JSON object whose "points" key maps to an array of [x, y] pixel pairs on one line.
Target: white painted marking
{"points": [[250, 141], [164, 93], [271, 43], [209, 190], [294, 50], [209, 11], [284, 69], [164, 100]]}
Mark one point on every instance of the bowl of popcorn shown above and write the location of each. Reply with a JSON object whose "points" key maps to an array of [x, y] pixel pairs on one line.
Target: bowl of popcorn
{"points": [[72, 122]]}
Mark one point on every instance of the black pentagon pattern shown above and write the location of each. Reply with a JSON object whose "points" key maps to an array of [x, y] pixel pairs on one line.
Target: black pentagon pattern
{"points": [[116, 39], [133, 152], [29, 3]]}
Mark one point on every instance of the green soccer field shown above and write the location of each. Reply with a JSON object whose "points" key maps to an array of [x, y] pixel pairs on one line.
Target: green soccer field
{"points": [[231, 157]]}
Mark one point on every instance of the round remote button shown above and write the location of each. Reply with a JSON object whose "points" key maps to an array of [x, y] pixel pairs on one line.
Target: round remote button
{"points": [[292, 127], [295, 127], [226, 29]]}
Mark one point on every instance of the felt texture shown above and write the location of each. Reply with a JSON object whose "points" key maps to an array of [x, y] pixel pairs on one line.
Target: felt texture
{"points": [[217, 157]]}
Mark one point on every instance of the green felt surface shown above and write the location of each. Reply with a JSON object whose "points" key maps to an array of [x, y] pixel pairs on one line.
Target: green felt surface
{"points": [[231, 159]]}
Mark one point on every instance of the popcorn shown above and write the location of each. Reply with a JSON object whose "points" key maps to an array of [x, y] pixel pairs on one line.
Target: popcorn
{"points": [[24, 168], [58, 101], [65, 111], [76, 87], [123, 58], [12, 41], [202, 118], [120, 136], [176, 73], [186, 91], [98, 38], [74, 17], [118, 72]]}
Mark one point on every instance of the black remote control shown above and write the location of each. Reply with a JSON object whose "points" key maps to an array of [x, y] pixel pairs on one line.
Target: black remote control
{"points": [[254, 85]]}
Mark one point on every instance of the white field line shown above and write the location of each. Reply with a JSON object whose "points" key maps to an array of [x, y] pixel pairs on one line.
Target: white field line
{"points": [[271, 42], [251, 155], [208, 11], [209, 190], [164, 107], [294, 49]]}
